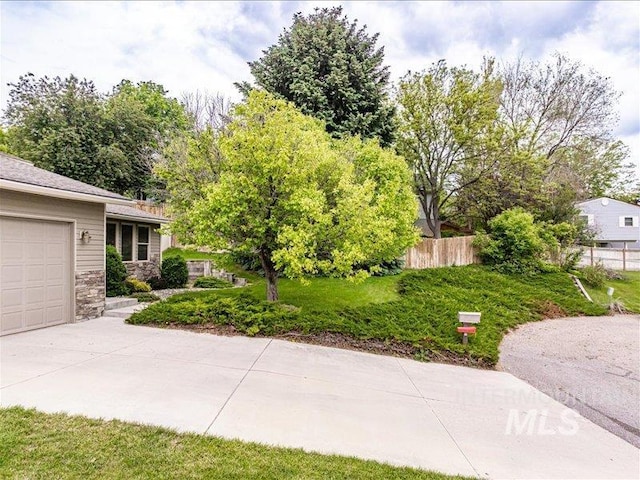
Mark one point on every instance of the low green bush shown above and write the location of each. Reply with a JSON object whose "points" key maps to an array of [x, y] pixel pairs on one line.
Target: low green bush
{"points": [[137, 286], [595, 275], [116, 273], [211, 282], [175, 272], [423, 319], [157, 283], [145, 297]]}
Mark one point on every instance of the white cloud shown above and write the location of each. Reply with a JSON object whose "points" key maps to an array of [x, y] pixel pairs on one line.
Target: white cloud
{"points": [[205, 45]]}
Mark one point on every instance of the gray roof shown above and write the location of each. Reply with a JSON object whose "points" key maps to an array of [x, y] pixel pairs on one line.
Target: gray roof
{"points": [[130, 212], [17, 170]]}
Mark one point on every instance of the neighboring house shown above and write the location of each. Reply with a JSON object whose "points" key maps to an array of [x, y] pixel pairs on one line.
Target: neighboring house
{"points": [[615, 224], [52, 241], [134, 233]]}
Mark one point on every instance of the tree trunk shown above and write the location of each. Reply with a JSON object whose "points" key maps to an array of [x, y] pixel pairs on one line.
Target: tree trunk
{"points": [[432, 214], [271, 275]]}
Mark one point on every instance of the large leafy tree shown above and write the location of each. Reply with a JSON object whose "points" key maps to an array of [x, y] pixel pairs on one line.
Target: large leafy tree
{"points": [[304, 203], [557, 119], [110, 141], [330, 68], [447, 132]]}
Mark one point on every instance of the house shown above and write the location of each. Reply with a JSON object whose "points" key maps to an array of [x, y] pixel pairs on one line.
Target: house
{"points": [[52, 239], [615, 224], [134, 233]]}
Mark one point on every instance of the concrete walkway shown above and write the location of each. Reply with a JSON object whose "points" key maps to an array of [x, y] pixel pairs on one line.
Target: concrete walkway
{"points": [[449, 419], [591, 364]]}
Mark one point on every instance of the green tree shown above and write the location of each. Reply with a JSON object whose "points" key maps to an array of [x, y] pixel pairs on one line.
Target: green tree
{"points": [[303, 203], [447, 132], [557, 119], [331, 69], [110, 141]]}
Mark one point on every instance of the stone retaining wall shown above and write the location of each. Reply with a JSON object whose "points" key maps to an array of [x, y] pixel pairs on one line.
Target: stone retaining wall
{"points": [[206, 268], [90, 294]]}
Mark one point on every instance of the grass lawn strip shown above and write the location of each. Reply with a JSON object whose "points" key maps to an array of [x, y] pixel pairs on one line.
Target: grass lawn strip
{"points": [[412, 315], [627, 291], [38, 445]]}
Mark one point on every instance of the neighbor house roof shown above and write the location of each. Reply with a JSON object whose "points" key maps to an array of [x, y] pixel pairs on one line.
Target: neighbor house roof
{"points": [[129, 213], [20, 175], [605, 201]]}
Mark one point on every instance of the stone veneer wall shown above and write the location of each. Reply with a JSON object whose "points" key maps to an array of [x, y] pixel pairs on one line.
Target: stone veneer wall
{"points": [[90, 294], [144, 270]]}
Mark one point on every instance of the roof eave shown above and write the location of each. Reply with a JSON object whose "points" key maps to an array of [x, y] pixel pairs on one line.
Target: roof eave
{"points": [[64, 194], [131, 218]]}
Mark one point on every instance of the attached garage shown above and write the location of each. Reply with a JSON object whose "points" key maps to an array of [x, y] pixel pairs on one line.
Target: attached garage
{"points": [[52, 240], [36, 282]]}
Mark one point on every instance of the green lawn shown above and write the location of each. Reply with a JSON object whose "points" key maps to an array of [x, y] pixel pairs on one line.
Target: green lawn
{"points": [[627, 291], [37, 445], [414, 314]]}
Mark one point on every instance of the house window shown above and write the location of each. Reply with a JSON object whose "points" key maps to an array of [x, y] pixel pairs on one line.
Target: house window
{"points": [[111, 234], [143, 243], [628, 221], [587, 218], [126, 242]]}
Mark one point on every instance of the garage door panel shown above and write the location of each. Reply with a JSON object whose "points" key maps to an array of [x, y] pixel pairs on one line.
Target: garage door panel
{"points": [[34, 318], [35, 278], [35, 296], [12, 274], [54, 315], [36, 252], [11, 321], [55, 273], [11, 251], [12, 298], [34, 273]]}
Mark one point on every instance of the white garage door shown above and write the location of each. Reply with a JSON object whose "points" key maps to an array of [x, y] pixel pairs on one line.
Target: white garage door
{"points": [[35, 274]]}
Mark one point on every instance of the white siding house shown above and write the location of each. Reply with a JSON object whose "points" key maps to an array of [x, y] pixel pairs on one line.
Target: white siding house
{"points": [[615, 224]]}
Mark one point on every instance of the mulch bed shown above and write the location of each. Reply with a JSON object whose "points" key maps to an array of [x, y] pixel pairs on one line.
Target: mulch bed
{"points": [[393, 348]]}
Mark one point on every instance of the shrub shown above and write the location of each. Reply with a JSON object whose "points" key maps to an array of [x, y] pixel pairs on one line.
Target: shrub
{"points": [[116, 273], [595, 276], [174, 272], [513, 244], [134, 285], [145, 297], [211, 282], [385, 269], [157, 283]]}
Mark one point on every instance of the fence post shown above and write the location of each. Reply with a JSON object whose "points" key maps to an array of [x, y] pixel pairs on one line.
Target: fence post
{"points": [[624, 258], [591, 248]]}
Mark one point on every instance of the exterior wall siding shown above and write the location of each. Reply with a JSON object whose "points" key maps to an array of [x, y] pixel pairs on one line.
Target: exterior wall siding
{"points": [[88, 216]]}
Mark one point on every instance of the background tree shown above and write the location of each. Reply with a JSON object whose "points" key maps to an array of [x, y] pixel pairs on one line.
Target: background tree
{"points": [[110, 141], [192, 160], [302, 202], [331, 69], [447, 132], [558, 120]]}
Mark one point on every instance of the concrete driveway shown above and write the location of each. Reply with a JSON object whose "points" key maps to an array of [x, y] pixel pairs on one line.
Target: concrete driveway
{"points": [[445, 418], [590, 364]]}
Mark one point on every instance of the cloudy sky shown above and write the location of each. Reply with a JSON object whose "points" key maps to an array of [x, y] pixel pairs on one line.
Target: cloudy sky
{"points": [[188, 46]]}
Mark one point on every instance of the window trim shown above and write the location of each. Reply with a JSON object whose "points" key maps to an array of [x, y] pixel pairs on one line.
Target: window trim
{"points": [[133, 241], [147, 243]]}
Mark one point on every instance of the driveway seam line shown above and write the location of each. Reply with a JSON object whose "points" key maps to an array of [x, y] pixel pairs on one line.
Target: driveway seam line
{"points": [[438, 418], [237, 386]]}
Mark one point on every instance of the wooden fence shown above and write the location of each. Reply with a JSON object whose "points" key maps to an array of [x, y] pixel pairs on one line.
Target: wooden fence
{"points": [[614, 258], [443, 252]]}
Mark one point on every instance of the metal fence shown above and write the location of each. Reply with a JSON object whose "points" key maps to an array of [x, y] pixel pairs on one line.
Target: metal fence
{"points": [[442, 252]]}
